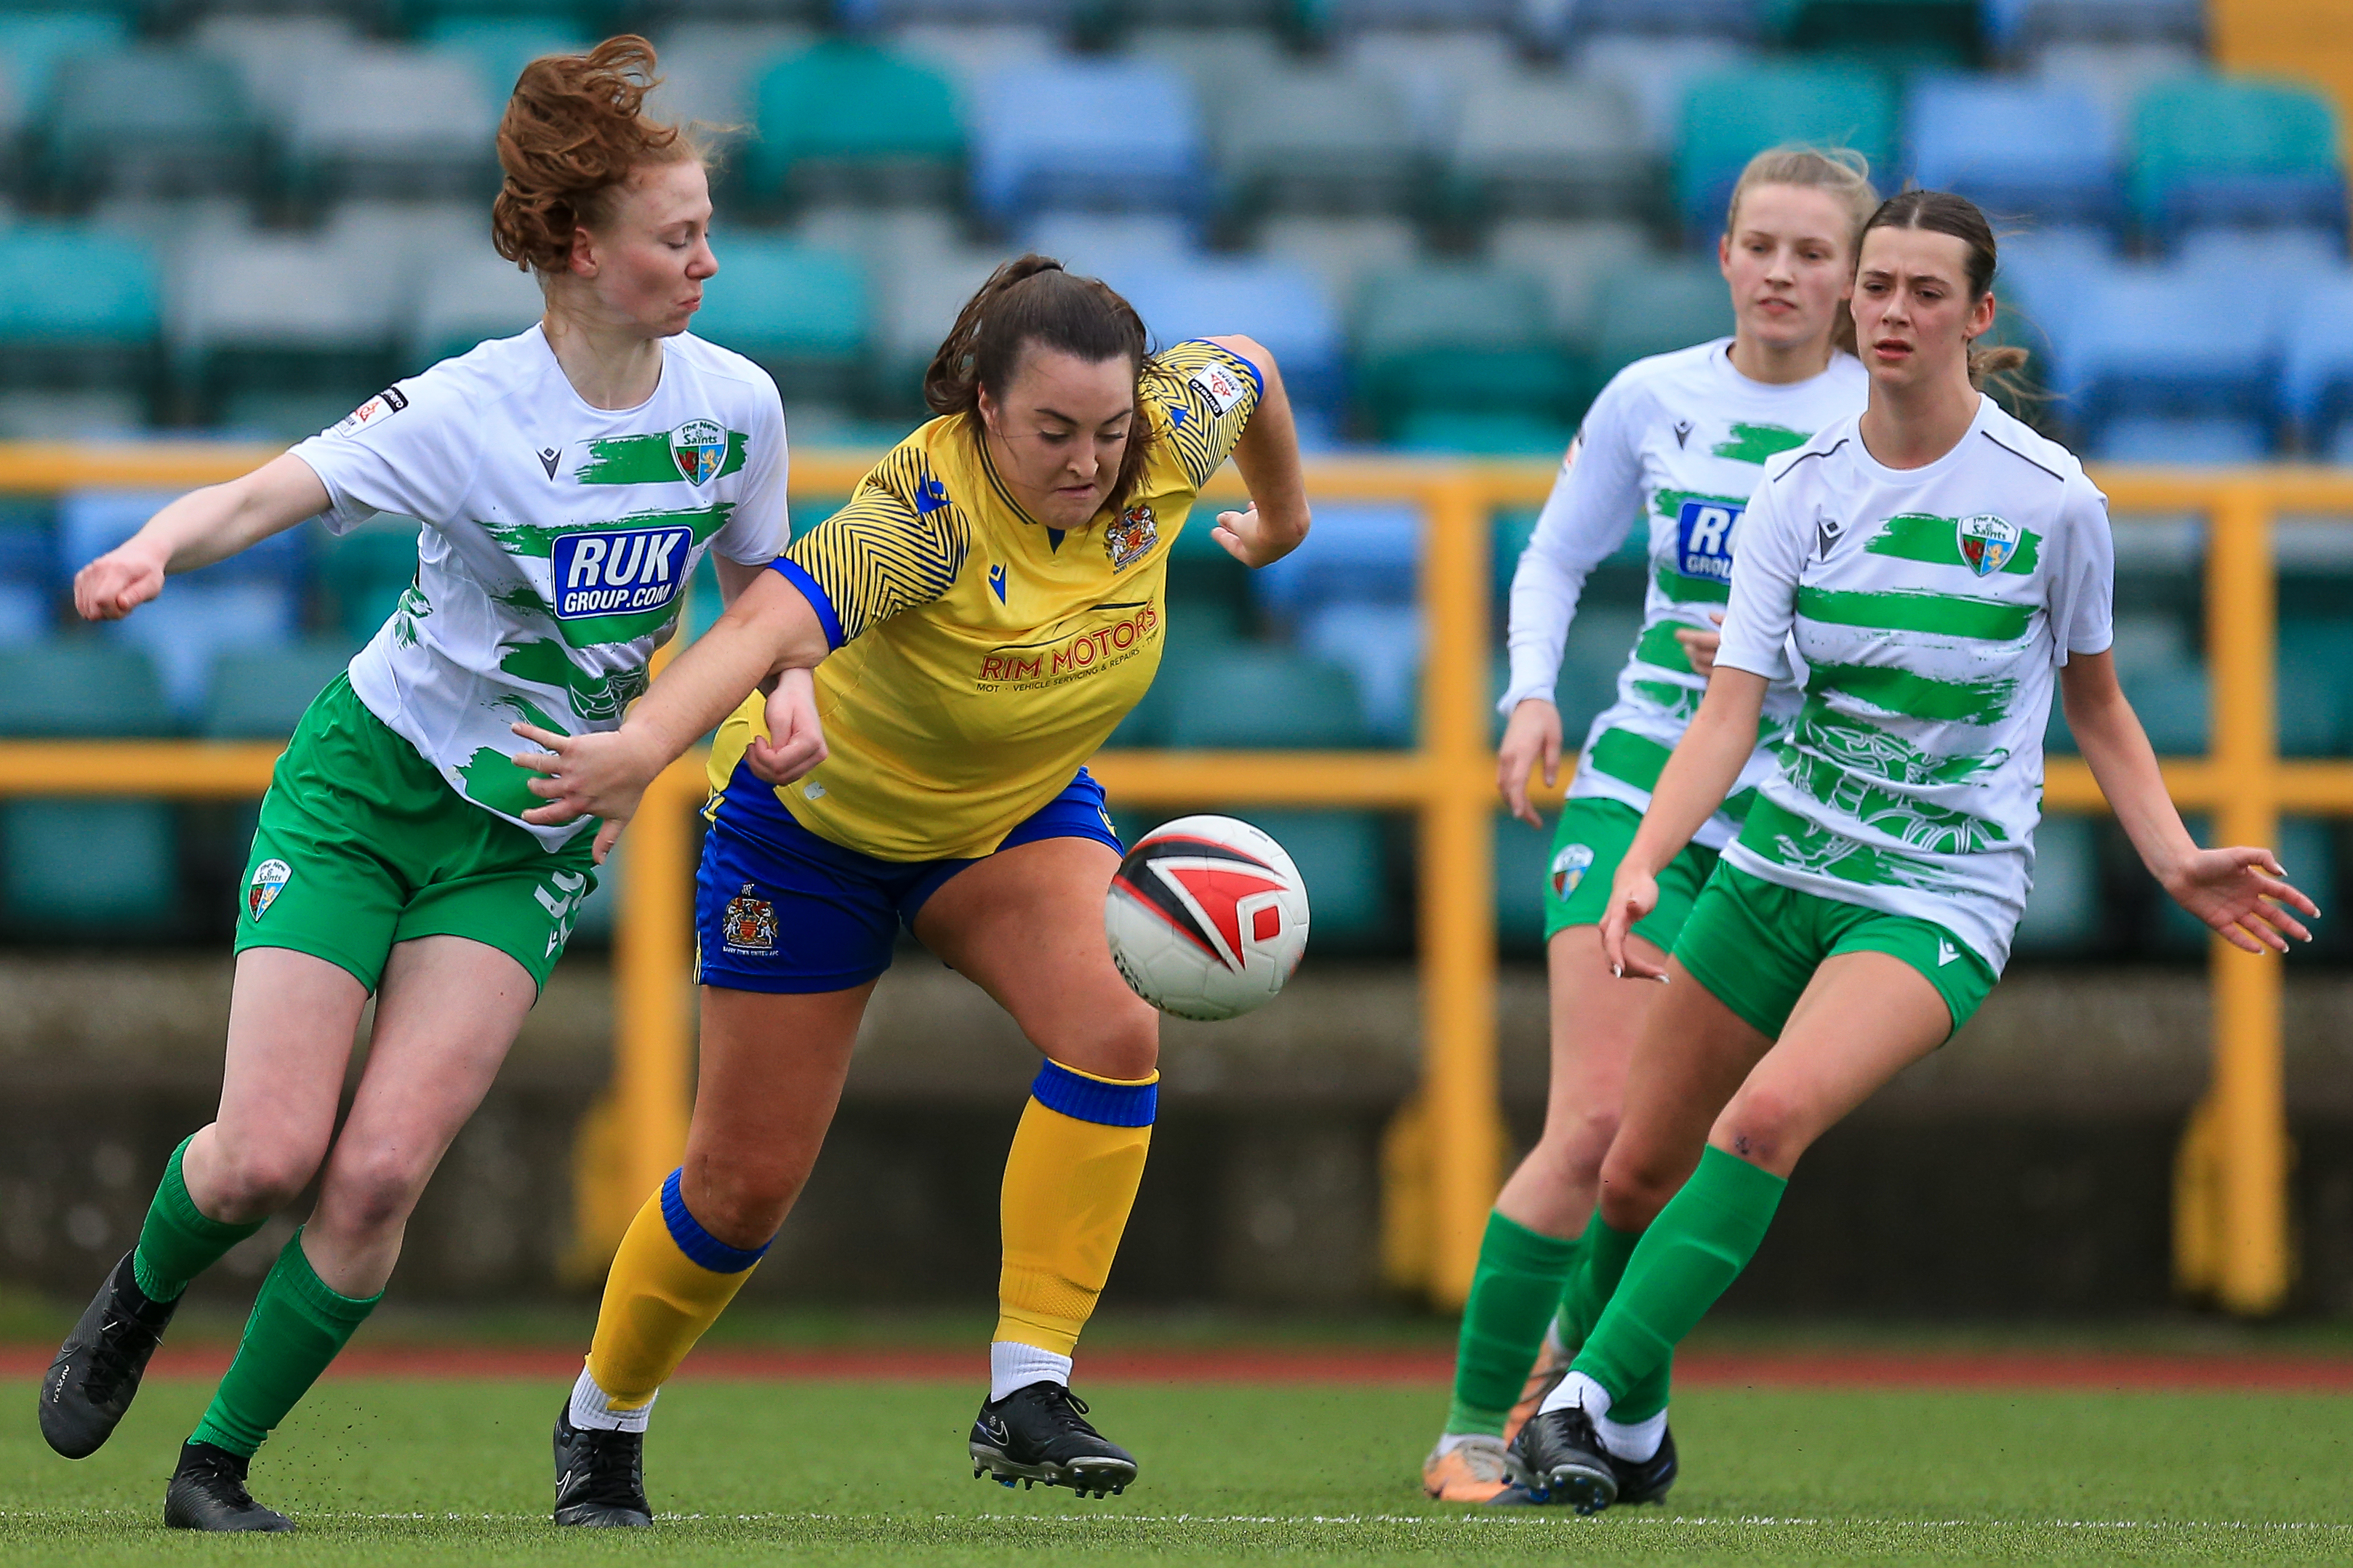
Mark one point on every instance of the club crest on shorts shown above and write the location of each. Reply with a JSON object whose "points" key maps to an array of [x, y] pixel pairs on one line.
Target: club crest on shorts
{"points": [[1131, 538], [270, 879], [698, 447], [750, 923], [1987, 543], [1569, 866]]}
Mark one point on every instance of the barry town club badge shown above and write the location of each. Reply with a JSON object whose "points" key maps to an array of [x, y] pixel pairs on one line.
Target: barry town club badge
{"points": [[1131, 538], [1569, 866], [1987, 543], [750, 924], [270, 879], [698, 447]]}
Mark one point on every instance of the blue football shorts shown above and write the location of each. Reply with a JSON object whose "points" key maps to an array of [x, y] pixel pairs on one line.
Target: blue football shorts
{"points": [[780, 909]]}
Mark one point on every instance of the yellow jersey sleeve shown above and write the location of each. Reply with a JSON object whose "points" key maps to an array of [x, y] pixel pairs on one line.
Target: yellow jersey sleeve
{"points": [[1207, 396], [897, 544]]}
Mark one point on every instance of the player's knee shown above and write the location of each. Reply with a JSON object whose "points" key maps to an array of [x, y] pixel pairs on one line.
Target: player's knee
{"points": [[1581, 1140], [744, 1200], [1764, 1127], [1126, 1048], [376, 1191], [1635, 1187], [251, 1179]]}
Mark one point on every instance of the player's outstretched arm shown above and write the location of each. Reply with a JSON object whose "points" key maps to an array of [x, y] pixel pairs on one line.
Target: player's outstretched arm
{"points": [[200, 528], [1704, 766], [2241, 892], [1268, 455]]}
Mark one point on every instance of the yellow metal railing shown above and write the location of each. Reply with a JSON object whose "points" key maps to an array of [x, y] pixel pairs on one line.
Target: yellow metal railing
{"points": [[2231, 1225]]}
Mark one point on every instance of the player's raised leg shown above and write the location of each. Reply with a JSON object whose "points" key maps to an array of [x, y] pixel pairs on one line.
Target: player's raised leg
{"points": [[1025, 925]]}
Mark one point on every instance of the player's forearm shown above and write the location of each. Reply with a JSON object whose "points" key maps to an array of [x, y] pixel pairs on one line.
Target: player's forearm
{"points": [[1705, 764], [216, 523], [2109, 734], [1267, 458], [768, 628]]}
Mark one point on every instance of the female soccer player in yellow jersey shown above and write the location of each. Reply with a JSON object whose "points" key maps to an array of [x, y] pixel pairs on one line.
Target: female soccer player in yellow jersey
{"points": [[1676, 443], [980, 615], [592, 458]]}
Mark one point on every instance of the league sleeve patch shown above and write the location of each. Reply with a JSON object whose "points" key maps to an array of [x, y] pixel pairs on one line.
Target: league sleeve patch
{"points": [[1219, 386], [383, 405]]}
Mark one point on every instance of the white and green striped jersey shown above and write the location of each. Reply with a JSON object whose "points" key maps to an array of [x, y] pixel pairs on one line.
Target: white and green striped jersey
{"points": [[557, 541], [1677, 441], [1931, 608]]}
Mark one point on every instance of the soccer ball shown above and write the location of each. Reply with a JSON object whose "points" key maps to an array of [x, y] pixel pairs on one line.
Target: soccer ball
{"points": [[1207, 918]]}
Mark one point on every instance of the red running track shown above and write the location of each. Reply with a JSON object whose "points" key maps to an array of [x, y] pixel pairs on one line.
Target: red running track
{"points": [[1407, 1368]]}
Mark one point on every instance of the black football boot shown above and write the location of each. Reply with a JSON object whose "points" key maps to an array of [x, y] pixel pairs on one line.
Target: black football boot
{"points": [[207, 1492], [96, 1372], [1039, 1435], [1646, 1480], [1558, 1459], [600, 1476]]}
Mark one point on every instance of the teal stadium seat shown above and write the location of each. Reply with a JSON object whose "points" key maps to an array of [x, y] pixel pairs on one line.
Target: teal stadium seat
{"points": [[148, 120], [2063, 909], [848, 120], [1343, 861], [260, 693], [800, 311], [500, 47], [1732, 116], [32, 43], [593, 17], [84, 868], [1655, 307], [1903, 34], [79, 310], [1523, 859], [364, 573], [2216, 151], [1455, 338]]}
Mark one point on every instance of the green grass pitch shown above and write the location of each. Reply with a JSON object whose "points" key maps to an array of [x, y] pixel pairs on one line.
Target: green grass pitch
{"points": [[399, 1472]]}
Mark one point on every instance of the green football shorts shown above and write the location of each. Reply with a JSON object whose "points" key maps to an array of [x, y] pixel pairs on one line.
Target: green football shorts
{"points": [[1593, 836], [1755, 944], [363, 844]]}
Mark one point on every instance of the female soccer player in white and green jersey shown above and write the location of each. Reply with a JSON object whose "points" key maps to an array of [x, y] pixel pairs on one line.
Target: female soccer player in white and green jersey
{"points": [[568, 480], [1939, 568], [1677, 442]]}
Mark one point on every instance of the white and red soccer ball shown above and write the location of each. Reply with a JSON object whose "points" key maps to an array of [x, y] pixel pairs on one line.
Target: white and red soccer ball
{"points": [[1207, 918]]}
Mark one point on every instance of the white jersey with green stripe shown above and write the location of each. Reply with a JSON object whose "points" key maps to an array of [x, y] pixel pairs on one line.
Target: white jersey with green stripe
{"points": [[1932, 609], [1679, 441], [558, 539]]}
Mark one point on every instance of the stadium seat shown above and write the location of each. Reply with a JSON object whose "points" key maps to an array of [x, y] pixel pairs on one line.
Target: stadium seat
{"points": [[88, 868], [273, 54], [969, 52], [382, 119], [1523, 860], [801, 313], [1214, 59], [2046, 152], [846, 119], [1572, 258], [1655, 71], [2214, 151], [364, 572], [1344, 16], [276, 334], [1342, 251], [423, 17], [1032, 13], [148, 120], [81, 688], [1497, 434], [2166, 341], [2190, 442], [468, 299], [1452, 336], [1899, 34], [1094, 242], [1655, 307], [80, 308], [2013, 26], [1380, 645], [1357, 550], [919, 301], [1263, 699], [1344, 863], [1539, 142], [1279, 304], [32, 43], [1316, 139], [1592, 658], [708, 69], [2317, 379], [2062, 908], [1437, 69], [2172, 703], [1730, 117], [499, 47], [1118, 134], [1712, 20], [258, 694]]}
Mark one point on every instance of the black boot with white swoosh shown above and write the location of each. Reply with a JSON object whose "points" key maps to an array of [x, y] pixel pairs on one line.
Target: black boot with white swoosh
{"points": [[1039, 1435]]}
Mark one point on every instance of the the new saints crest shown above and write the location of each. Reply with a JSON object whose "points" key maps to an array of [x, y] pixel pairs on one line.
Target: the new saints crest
{"points": [[1569, 866], [699, 446], [270, 879], [1132, 537], [1987, 543], [749, 925]]}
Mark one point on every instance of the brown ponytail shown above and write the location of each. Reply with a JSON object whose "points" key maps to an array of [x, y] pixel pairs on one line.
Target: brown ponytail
{"points": [[1032, 299], [573, 131], [1942, 211]]}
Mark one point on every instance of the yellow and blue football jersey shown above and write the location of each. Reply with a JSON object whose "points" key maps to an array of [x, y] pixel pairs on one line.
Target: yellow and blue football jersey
{"points": [[981, 656]]}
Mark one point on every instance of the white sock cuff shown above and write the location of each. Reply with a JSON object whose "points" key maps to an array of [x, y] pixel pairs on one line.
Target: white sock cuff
{"points": [[1633, 1441], [1577, 1391], [592, 1407], [1013, 1366]]}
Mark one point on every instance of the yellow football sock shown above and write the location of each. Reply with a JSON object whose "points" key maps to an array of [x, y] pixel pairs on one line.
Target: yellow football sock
{"points": [[1070, 1182], [670, 1281]]}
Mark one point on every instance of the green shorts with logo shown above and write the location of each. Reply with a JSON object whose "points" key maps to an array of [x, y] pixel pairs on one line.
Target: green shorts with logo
{"points": [[362, 844], [1755, 945], [1593, 836]]}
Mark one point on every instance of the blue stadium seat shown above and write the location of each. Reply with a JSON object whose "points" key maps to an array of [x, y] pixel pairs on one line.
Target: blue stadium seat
{"points": [[2166, 341], [1358, 552], [2210, 152], [2191, 441], [2031, 149], [2014, 26], [1086, 134], [2317, 381], [2062, 908], [258, 694], [1732, 19], [800, 311], [1380, 645], [1277, 302]]}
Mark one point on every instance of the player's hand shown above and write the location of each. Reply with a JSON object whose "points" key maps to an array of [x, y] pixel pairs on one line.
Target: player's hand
{"points": [[607, 834], [599, 775], [1532, 735], [1699, 646], [2243, 895], [116, 583], [796, 742], [1634, 893], [1248, 539]]}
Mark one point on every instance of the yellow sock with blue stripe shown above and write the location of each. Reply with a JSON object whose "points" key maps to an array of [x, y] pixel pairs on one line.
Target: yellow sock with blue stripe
{"points": [[670, 1281], [1070, 1183]]}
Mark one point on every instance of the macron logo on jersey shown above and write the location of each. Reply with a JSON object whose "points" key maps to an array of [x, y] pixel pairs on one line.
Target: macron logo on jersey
{"points": [[620, 572], [1704, 539]]}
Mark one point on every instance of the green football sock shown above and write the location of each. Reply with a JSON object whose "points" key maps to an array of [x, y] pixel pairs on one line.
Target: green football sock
{"points": [[179, 1241], [1693, 1251], [297, 1326], [1518, 1279], [1607, 1248]]}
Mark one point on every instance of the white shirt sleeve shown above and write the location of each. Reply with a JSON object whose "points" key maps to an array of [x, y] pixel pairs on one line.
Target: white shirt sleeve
{"points": [[761, 527], [1593, 505], [2083, 573], [1775, 533], [411, 449]]}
